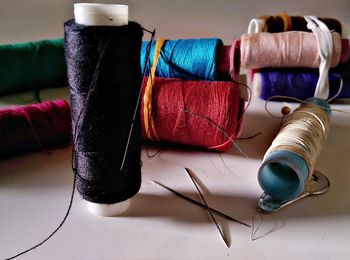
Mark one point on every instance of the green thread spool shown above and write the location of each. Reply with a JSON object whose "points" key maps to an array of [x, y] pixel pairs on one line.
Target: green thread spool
{"points": [[32, 65]]}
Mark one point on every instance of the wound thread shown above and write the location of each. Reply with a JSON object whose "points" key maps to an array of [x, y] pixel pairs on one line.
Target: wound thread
{"points": [[219, 102], [290, 161], [32, 65], [297, 83], [303, 133], [36, 127], [147, 97], [193, 59], [284, 50], [104, 77]]}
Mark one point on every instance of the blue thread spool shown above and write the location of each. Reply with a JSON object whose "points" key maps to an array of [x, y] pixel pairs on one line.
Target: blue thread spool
{"points": [[185, 58], [283, 174]]}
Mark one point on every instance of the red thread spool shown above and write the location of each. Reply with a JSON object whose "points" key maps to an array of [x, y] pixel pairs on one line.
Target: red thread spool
{"points": [[34, 127], [223, 59], [228, 60], [213, 117]]}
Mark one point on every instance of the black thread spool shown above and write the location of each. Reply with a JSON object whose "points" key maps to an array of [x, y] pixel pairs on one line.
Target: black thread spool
{"points": [[103, 65]]}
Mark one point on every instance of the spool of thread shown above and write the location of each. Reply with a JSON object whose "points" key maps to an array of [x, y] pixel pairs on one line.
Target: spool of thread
{"points": [[283, 22], [344, 71], [194, 59], [295, 83], [198, 113], [279, 23], [284, 50], [36, 65], [235, 59], [104, 76], [32, 65], [289, 162], [345, 51], [227, 63], [36, 127], [223, 60]]}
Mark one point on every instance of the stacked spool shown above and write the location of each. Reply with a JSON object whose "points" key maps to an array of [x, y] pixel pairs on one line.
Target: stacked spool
{"points": [[40, 126], [291, 69], [190, 95], [195, 100], [181, 100], [275, 52], [205, 68]]}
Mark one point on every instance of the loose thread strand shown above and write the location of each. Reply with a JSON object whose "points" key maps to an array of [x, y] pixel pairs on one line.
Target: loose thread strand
{"points": [[58, 228], [339, 90], [250, 137], [220, 129], [294, 99], [256, 229]]}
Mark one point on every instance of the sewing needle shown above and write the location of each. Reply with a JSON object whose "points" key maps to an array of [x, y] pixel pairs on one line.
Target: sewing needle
{"points": [[208, 209], [199, 204]]}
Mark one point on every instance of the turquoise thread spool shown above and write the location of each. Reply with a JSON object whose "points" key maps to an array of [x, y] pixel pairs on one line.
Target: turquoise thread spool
{"points": [[283, 174], [186, 58]]}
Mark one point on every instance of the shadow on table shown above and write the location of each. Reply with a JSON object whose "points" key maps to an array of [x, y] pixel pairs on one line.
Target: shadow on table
{"points": [[37, 170]]}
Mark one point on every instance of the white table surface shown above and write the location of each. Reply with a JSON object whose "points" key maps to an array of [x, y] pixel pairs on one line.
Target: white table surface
{"points": [[35, 191]]}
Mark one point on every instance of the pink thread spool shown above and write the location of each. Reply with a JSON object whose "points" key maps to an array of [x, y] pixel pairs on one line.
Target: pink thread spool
{"points": [[287, 49], [36, 127]]}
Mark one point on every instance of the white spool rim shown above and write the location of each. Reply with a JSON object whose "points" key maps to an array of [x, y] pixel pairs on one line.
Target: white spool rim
{"points": [[101, 14], [109, 9], [108, 210], [256, 84], [256, 25]]}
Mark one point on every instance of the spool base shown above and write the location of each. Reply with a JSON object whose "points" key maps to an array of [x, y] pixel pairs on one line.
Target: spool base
{"points": [[108, 210], [319, 184]]}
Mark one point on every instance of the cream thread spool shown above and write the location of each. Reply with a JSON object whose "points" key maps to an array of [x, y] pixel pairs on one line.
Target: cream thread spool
{"points": [[289, 162]]}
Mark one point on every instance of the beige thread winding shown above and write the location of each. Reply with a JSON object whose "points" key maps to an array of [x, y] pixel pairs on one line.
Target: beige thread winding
{"points": [[303, 133]]}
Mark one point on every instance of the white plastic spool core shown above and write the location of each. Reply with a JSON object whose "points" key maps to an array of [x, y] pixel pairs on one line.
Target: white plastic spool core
{"points": [[256, 25], [108, 210], [101, 14], [256, 85]]}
